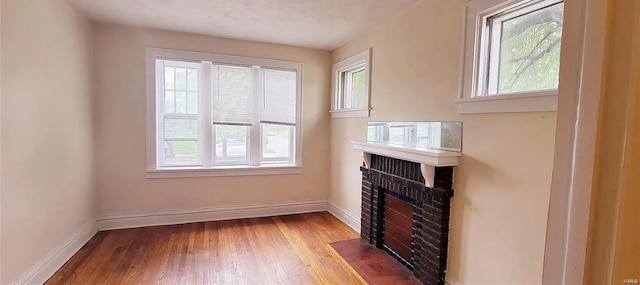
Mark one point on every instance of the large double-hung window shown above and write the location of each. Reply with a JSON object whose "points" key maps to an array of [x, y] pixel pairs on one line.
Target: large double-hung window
{"points": [[221, 115]]}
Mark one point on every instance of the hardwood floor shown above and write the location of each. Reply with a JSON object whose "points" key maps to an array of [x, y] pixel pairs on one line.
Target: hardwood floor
{"points": [[279, 250]]}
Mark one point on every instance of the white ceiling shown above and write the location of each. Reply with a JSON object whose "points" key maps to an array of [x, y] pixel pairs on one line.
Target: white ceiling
{"points": [[322, 24]]}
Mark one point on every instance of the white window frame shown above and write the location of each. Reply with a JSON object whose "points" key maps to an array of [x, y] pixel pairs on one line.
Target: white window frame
{"points": [[161, 115], [475, 75], [341, 70], [256, 165]]}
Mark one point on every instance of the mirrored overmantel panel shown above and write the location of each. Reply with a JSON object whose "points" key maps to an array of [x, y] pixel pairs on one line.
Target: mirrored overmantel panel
{"points": [[432, 135]]}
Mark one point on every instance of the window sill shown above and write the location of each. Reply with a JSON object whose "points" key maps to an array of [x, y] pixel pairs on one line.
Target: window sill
{"points": [[350, 113], [546, 101], [223, 171]]}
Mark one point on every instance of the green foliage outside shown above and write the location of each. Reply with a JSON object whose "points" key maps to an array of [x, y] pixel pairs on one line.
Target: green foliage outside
{"points": [[231, 132], [358, 89], [182, 148], [530, 51]]}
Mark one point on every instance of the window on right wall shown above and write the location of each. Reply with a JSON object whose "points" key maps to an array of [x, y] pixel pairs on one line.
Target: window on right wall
{"points": [[351, 86], [511, 58]]}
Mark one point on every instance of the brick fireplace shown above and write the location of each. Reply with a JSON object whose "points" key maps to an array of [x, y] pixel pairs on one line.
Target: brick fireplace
{"points": [[407, 215]]}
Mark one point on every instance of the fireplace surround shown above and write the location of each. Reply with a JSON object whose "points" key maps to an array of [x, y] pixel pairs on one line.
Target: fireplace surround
{"points": [[406, 201]]}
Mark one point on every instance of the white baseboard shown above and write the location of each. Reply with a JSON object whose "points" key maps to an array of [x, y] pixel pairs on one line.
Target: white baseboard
{"points": [[55, 259], [112, 222], [344, 216]]}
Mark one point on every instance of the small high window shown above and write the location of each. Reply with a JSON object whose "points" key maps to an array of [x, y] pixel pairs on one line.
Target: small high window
{"points": [[512, 56], [351, 86]]}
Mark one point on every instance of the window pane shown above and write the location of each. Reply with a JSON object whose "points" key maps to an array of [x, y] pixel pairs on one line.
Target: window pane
{"points": [[358, 89], [192, 79], [345, 99], [181, 129], [181, 152], [279, 101], [181, 79], [169, 78], [276, 141], [231, 144], [233, 94], [192, 103], [181, 102], [169, 102], [353, 88], [530, 51]]}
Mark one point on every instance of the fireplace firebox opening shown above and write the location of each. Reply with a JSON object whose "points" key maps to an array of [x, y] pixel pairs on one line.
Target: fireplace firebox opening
{"points": [[397, 228]]}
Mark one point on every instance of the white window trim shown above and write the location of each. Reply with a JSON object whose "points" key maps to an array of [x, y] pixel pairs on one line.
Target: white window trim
{"points": [[361, 59], [152, 168], [544, 101], [220, 171], [469, 99]]}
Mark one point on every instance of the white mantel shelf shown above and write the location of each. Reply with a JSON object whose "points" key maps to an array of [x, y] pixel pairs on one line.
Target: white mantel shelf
{"points": [[432, 157]]}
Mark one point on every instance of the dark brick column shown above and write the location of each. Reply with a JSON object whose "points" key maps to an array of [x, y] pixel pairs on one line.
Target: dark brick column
{"points": [[365, 220]]}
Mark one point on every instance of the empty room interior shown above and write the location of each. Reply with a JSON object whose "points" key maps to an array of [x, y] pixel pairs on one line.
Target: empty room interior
{"points": [[319, 142]]}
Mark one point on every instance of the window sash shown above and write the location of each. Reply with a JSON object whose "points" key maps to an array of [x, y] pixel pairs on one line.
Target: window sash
{"points": [[206, 133], [342, 103], [221, 161], [161, 115], [292, 146], [345, 90], [161, 138], [489, 70]]}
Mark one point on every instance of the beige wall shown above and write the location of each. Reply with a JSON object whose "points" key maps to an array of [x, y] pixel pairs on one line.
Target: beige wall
{"points": [[121, 128], [626, 263], [47, 146], [613, 230], [502, 185]]}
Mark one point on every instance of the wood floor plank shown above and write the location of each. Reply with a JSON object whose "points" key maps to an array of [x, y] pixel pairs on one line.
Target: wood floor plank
{"points": [[309, 243], [279, 250], [77, 264]]}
